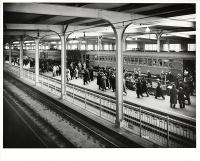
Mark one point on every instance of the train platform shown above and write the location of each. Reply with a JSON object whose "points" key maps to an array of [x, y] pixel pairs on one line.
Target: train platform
{"points": [[108, 124], [150, 102]]}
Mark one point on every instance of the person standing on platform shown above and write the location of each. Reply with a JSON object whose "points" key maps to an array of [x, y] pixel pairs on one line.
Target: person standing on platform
{"points": [[99, 79], [148, 77], [71, 71], [124, 86], [187, 92], [91, 74], [138, 88], [159, 92], [173, 96], [113, 81], [76, 72], [103, 82], [68, 74], [144, 87], [181, 97], [57, 70], [54, 70], [85, 77]]}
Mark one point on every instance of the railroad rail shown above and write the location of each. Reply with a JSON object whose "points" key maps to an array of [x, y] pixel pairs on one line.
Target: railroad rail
{"points": [[161, 128], [45, 133], [104, 135]]}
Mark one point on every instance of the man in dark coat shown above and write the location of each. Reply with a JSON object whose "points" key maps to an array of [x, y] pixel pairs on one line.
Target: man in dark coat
{"points": [[99, 79], [181, 97], [113, 82], [144, 87], [173, 96], [85, 77], [138, 88], [91, 73], [187, 92], [159, 92], [103, 82]]}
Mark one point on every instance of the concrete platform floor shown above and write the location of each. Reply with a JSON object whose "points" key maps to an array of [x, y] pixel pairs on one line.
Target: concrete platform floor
{"points": [[150, 102]]}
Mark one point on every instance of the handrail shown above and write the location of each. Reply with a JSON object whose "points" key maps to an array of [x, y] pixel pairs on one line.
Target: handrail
{"points": [[165, 124], [113, 99]]}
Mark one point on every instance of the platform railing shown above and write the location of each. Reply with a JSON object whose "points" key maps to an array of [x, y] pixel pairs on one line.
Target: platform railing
{"points": [[158, 127], [161, 129]]}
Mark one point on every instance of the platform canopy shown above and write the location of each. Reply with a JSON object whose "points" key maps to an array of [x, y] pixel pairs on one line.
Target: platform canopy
{"points": [[90, 20]]}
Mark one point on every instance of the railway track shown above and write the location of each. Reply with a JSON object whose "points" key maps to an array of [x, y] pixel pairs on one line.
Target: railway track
{"points": [[100, 135], [45, 133]]}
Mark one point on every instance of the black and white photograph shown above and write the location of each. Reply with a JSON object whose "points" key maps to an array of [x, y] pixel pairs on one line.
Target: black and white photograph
{"points": [[99, 76]]}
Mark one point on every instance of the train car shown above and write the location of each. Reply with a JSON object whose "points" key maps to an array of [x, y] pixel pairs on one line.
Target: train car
{"points": [[72, 55], [155, 62]]}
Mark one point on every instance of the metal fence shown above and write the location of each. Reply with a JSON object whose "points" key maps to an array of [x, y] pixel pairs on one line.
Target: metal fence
{"points": [[161, 128]]}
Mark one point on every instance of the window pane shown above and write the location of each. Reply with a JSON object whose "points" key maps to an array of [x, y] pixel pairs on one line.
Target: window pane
{"points": [[170, 63], [191, 47], [159, 62], [140, 61], [132, 60], [131, 46], [136, 61], [145, 61], [149, 62], [165, 63], [154, 62]]}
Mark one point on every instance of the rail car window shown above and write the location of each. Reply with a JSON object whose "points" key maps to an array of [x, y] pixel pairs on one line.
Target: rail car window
{"points": [[154, 62], [111, 58], [160, 62], [128, 59], [140, 61], [165, 63], [145, 61], [125, 59], [132, 60], [136, 61], [108, 58], [170, 63], [149, 61]]}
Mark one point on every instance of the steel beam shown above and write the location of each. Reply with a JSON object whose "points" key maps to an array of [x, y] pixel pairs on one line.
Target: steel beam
{"points": [[111, 16], [12, 26]]}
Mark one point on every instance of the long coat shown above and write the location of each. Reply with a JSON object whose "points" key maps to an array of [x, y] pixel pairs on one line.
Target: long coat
{"points": [[181, 97], [173, 96]]}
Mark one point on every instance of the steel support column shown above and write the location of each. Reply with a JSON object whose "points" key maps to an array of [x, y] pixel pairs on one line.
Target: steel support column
{"points": [[168, 44], [158, 44], [124, 43], [10, 53], [63, 66], [21, 59], [119, 77], [37, 53], [158, 41]]}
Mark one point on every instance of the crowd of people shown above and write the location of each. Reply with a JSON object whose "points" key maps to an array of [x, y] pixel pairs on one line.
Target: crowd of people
{"points": [[180, 87]]}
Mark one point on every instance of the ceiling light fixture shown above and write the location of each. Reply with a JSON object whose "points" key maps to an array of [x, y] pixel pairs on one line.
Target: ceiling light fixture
{"points": [[147, 29]]}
